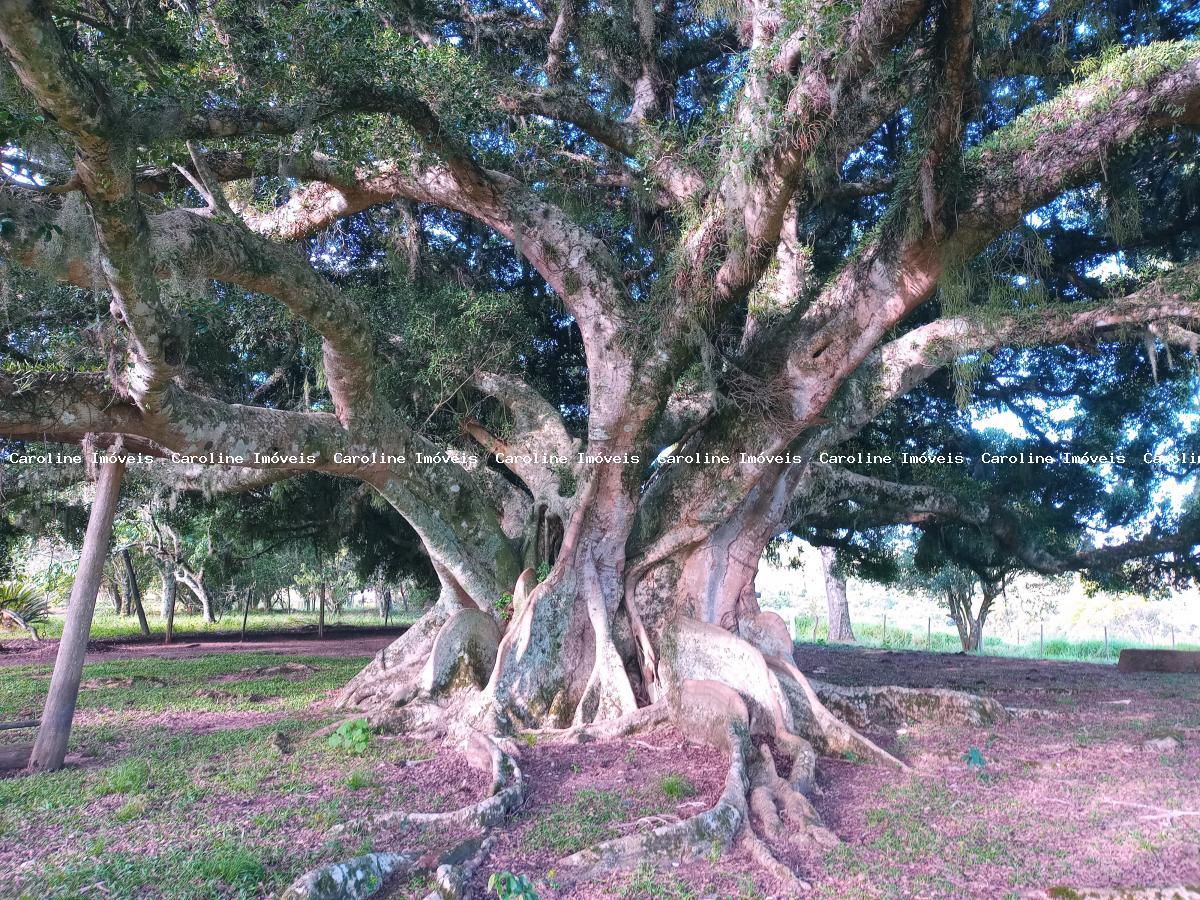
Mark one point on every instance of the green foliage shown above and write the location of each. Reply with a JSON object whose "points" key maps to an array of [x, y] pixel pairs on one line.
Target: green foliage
{"points": [[508, 886], [24, 601], [503, 605], [974, 759], [351, 737]]}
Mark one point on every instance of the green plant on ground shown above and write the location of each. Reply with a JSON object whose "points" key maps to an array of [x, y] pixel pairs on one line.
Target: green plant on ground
{"points": [[676, 787], [22, 606], [128, 777], [352, 737], [503, 605], [508, 886]]}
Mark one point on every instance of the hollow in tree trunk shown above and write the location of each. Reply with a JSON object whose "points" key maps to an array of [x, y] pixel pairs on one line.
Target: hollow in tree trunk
{"points": [[50, 747], [835, 599]]}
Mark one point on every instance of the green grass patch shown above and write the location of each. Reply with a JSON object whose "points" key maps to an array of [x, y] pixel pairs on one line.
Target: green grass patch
{"points": [[207, 683], [676, 787], [586, 819], [107, 624]]}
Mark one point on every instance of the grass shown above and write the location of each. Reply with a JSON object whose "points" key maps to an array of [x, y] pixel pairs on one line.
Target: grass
{"points": [[218, 681], [873, 635], [586, 819], [107, 624], [676, 787], [161, 810]]}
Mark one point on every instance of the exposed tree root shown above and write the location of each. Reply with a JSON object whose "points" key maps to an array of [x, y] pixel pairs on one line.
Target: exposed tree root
{"points": [[458, 867], [860, 706], [393, 676], [710, 713], [740, 693], [351, 879], [506, 796], [364, 876], [761, 854], [642, 719]]}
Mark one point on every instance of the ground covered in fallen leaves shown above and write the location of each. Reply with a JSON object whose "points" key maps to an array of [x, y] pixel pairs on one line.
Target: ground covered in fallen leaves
{"points": [[212, 775]]}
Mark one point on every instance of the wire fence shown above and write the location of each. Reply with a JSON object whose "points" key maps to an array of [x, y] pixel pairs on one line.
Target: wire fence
{"points": [[1039, 642]]}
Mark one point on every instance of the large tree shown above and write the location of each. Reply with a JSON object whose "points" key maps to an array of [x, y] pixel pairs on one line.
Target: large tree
{"points": [[739, 232]]}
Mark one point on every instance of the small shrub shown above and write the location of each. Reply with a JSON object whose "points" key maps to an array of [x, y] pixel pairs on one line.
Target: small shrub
{"points": [[21, 604], [503, 605], [974, 758], [352, 736], [676, 787], [508, 886], [359, 779]]}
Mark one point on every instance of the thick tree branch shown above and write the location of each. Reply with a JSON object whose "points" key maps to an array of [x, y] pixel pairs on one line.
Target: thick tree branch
{"points": [[879, 503], [104, 167]]}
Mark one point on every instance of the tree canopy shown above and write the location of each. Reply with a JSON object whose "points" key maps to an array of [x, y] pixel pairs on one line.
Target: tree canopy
{"points": [[620, 293]]}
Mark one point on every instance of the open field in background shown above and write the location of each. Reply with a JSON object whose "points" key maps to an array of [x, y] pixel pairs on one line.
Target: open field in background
{"points": [[809, 630], [107, 624], [209, 777], [1072, 622], [904, 629]]}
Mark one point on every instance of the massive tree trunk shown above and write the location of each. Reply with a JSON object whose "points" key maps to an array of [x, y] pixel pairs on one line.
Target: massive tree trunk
{"points": [[50, 747], [840, 631]]}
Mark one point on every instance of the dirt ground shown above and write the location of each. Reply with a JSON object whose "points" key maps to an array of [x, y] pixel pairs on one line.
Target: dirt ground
{"points": [[1092, 784], [338, 641]]}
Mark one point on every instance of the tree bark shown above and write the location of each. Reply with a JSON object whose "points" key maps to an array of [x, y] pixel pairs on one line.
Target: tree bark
{"points": [[321, 613], [134, 593], [170, 593], [840, 631], [194, 582], [115, 589], [245, 613], [50, 747]]}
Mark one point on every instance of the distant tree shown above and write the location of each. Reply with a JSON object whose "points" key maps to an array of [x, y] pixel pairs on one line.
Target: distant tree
{"points": [[840, 630]]}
